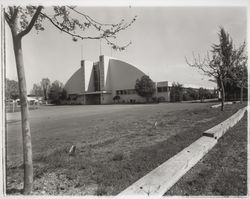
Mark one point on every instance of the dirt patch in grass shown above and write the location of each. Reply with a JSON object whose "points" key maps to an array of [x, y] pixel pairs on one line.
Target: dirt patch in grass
{"points": [[223, 171], [119, 152]]}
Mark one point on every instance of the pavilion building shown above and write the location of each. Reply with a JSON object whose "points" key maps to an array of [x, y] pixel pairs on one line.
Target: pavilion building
{"points": [[99, 82]]}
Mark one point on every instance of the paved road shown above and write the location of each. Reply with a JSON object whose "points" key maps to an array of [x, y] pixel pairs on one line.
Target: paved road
{"points": [[56, 126]]}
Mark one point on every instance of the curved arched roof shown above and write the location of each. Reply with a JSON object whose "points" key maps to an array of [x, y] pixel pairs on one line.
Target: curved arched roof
{"points": [[122, 75], [76, 83], [118, 75]]}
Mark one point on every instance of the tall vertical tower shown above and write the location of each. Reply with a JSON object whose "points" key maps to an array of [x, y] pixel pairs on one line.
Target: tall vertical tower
{"points": [[83, 74], [96, 75], [101, 69]]}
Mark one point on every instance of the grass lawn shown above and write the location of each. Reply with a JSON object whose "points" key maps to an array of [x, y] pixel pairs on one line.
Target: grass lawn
{"points": [[112, 151], [223, 171]]}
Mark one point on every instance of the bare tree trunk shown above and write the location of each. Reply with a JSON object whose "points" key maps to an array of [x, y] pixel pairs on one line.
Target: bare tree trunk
{"points": [[27, 147], [222, 94], [241, 94]]}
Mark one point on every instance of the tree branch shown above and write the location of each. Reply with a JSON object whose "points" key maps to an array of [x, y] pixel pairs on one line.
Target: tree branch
{"points": [[116, 47], [13, 17], [106, 33], [11, 10], [117, 27], [69, 33], [7, 18], [32, 22], [202, 65], [89, 19]]}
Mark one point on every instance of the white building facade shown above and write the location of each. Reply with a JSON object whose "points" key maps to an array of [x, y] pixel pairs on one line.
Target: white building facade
{"points": [[99, 82]]}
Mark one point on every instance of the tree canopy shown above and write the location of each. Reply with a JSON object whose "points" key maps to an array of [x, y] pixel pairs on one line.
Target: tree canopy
{"points": [[45, 84], [145, 87], [37, 90], [56, 92], [11, 89], [221, 62], [176, 92]]}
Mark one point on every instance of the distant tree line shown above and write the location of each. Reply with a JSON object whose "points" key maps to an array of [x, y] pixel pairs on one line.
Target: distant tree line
{"points": [[52, 92], [11, 89], [179, 93]]}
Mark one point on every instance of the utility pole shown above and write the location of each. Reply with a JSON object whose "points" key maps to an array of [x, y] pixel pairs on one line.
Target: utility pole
{"points": [[100, 46], [81, 52]]}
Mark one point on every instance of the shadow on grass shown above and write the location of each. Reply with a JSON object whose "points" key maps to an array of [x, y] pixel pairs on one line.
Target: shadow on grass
{"points": [[14, 191]]}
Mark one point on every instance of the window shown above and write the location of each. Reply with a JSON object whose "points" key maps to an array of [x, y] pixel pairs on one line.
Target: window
{"points": [[130, 91], [162, 89], [126, 92], [165, 89]]}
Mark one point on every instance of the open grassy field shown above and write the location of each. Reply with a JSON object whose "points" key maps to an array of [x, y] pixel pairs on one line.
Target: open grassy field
{"points": [[115, 144]]}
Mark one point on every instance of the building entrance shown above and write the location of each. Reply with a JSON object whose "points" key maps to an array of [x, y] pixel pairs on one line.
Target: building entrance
{"points": [[92, 99]]}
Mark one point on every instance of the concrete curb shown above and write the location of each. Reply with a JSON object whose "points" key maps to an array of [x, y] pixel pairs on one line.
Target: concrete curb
{"points": [[161, 179], [205, 100], [225, 103], [220, 129], [158, 181]]}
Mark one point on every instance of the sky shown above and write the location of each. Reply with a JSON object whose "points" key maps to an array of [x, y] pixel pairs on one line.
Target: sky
{"points": [[161, 39]]}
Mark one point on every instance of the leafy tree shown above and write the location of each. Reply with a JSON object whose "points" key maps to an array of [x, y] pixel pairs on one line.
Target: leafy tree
{"points": [[11, 89], [37, 90], [145, 87], [63, 95], [240, 76], [176, 92], [116, 98], [220, 66], [56, 92], [21, 20], [190, 94], [45, 83], [194, 95], [202, 93]]}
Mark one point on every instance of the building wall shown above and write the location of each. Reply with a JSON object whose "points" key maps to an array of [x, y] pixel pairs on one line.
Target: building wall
{"points": [[163, 90], [106, 98], [134, 97], [165, 95]]}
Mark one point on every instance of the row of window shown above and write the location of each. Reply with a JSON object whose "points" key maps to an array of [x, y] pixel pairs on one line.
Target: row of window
{"points": [[163, 89], [132, 91], [126, 92]]}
